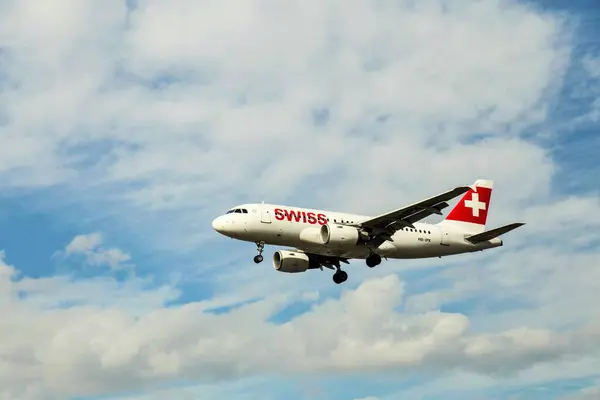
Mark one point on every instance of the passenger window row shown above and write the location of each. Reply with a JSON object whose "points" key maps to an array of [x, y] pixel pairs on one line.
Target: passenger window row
{"points": [[404, 229], [341, 221], [416, 230]]}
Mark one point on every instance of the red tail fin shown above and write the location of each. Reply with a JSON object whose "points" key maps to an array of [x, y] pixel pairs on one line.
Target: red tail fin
{"points": [[470, 213]]}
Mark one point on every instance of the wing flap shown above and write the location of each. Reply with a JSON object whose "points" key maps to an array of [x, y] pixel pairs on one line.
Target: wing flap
{"points": [[493, 233]]}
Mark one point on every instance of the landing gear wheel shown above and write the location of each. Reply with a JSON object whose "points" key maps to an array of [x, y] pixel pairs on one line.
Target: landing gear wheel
{"points": [[373, 260], [260, 246], [340, 277]]}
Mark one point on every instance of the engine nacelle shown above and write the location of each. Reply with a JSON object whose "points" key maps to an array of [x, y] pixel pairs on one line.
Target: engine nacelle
{"points": [[290, 261], [311, 235], [339, 235]]}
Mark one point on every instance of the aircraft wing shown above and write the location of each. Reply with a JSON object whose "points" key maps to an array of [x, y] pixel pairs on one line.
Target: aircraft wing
{"points": [[385, 225]]}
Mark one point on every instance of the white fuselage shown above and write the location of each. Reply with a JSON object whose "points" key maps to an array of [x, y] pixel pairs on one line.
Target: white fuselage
{"points": [[287, 226]]}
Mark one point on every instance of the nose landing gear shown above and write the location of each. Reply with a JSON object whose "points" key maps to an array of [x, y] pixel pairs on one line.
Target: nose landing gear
{"points": [[260, 246]]}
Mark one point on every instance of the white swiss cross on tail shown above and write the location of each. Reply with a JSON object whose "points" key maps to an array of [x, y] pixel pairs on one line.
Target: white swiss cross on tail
{"points": [[470, 213], [475, 205]]}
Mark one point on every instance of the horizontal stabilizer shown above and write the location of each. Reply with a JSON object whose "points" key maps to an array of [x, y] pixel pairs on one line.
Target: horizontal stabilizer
{"points": [[491, 234]]}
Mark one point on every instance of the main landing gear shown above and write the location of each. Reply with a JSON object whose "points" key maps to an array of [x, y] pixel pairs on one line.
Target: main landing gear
{"points": [[260, 246], [373, 260], [340, 276]]}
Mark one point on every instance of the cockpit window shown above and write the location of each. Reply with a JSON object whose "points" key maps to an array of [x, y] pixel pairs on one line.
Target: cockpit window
{"points": [[237, 211]]}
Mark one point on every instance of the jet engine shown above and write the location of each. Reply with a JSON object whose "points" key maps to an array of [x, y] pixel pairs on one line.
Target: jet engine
{"points": [[290, 261], [311, 235], [340, 235]]}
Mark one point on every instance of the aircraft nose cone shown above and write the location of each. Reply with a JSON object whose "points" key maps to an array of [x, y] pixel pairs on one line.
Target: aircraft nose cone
{"points": [[218, 224]]}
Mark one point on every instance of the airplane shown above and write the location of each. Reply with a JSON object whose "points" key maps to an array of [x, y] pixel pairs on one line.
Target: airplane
{"points": [[321, 238]]}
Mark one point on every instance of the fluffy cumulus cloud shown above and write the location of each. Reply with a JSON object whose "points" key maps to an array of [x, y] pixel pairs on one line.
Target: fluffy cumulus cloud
{"points": [[93, 347], [90, 246], [165, 94], [157, 116]]}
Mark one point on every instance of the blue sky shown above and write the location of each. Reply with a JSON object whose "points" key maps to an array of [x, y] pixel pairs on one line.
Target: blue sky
{"points": [[127, 127]]}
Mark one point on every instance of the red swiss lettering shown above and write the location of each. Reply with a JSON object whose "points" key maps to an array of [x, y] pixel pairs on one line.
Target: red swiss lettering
{"points": [[297, 216]]}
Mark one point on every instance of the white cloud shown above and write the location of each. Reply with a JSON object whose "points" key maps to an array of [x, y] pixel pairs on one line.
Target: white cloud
{"points": [[89, 246], [96, 348], [250, 91], [84, 243], [539, 379]]}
